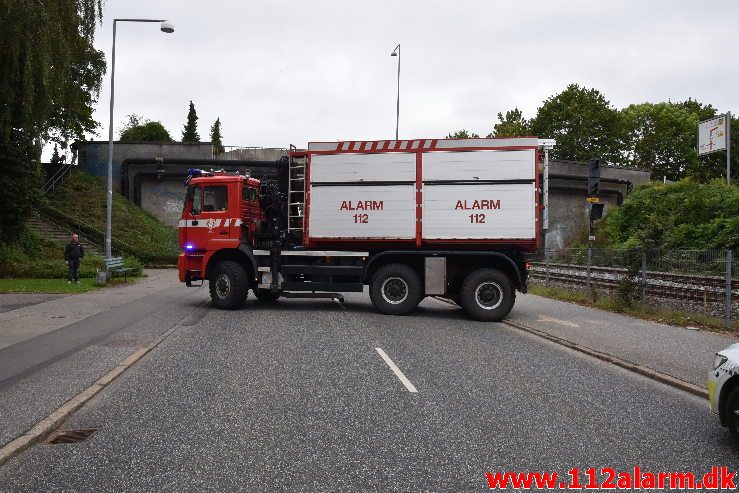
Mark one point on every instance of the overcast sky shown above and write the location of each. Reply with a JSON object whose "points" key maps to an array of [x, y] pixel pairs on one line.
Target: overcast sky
{"points": [[290, 72]]}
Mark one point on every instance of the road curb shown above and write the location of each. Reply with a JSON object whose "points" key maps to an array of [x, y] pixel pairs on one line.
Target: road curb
{"points": [[627, 365], [47, 425]]}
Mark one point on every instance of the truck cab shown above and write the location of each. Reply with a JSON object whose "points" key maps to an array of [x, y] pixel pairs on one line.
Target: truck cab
{"points": [[221, 212]]}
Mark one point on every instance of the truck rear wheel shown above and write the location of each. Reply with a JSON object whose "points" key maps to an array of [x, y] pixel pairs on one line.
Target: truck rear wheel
{"points": [[396, 289], [487, 295], [228, 285]]}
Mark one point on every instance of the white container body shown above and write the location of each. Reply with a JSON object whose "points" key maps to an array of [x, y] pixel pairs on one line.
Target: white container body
{"points": [[478, 165], [363, 211], [460, 192], [488, 211], [352, 168]]}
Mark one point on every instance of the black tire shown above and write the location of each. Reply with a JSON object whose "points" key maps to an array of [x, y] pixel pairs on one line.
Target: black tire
{"points": [[731, 407], [266, 296], [229, 285], [396, 289], [487, 295]]}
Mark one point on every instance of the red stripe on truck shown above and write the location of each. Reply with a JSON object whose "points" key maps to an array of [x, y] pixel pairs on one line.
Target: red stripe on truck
{"points": [[419, 199]]}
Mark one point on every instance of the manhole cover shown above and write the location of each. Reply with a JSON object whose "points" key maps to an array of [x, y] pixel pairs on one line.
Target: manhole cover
{"points": [[70, 436]]}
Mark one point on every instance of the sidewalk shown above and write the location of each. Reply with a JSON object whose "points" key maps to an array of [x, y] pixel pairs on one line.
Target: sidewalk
{"points": [[682, 353], [59, 347], [36, 319]]}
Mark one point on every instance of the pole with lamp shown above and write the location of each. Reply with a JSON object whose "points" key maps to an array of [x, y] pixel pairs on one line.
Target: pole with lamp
{"points": [[165, 27], [396, 52]]}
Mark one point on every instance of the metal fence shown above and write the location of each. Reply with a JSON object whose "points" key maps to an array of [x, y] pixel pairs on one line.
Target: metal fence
{"points": [[696, 280]]}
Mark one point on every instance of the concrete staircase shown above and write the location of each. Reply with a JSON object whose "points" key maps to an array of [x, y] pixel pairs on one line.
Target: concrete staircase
{"points": [[60, 232]]}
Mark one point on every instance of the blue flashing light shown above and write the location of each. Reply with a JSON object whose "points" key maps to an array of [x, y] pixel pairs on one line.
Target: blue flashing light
{"points": [[189, 246], [195, 173]]}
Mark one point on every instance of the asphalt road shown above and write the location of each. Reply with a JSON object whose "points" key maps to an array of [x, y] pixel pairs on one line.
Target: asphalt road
{"points": [[13, 301], [296, 397]]}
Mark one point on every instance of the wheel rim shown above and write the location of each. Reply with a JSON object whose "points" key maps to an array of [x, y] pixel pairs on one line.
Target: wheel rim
{"points": [[223, 286], [489, 295], [394, 290]]}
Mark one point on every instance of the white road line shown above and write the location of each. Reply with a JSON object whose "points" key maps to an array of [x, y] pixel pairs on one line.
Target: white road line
{"points": [[396, 370]]}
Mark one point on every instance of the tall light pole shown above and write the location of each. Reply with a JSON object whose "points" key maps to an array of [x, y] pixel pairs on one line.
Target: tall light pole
{"points": [[396, 52], [167, 28]]}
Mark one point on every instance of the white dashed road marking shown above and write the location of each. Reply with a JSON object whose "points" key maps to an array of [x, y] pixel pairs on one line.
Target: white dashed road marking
{"points": [[396, 370]]}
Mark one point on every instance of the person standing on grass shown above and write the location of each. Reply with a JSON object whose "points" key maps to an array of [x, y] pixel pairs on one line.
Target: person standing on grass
{"points": [[73, 254]]}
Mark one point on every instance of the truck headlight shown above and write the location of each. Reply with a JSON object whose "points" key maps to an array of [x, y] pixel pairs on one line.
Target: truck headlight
{"points": [[719, 360]]}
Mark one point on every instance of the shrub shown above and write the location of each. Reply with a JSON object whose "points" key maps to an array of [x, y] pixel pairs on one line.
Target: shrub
{"points": [[681, 215]]}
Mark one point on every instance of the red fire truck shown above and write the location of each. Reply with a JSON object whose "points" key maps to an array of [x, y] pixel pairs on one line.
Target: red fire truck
{"points": [[408, 218]]}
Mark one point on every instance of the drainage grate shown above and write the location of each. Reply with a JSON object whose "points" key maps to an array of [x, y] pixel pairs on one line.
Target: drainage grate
{"points": [[70, 436]]}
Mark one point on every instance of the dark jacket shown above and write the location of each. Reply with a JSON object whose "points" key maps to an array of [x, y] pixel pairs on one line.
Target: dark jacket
{"points": [[72, 251]]}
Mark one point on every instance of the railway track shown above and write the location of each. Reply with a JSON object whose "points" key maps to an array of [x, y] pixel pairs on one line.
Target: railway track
{"points": [[656, 284]]}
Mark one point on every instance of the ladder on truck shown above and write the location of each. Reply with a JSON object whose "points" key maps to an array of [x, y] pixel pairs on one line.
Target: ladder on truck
{"points": [[296, 193]]}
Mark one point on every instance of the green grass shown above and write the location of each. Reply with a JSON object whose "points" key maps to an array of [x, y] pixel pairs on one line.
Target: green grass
{"points": [[83, 197], [647, 312], [38, 257], [26, 285], [45, 286]]}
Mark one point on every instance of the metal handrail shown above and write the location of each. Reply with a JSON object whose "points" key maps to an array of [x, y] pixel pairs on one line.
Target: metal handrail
{"points": [[73, 220], [65, 227], [49, 185]]}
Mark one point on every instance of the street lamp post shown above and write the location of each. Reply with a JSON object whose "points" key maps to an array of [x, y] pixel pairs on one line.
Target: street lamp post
{"points": [[396, 52], [167, 28]]}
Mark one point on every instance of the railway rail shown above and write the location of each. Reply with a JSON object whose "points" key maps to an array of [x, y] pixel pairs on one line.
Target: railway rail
{"points": [[706, 289]]}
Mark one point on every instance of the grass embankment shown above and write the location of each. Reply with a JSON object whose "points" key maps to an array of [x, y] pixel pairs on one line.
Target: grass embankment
{"points": [[135, 232], [41, 258], [646, 312]]}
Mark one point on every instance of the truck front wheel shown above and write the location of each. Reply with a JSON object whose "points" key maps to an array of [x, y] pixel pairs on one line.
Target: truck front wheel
{"points": [[487, 295], [228, 285], [396, 289]]}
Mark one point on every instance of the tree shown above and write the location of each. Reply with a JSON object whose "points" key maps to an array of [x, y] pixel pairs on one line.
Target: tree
{"points": [[190, 131], [139, 129], [584, 124], [462, 134], [712, 165], [216, 138], [512, 125], [661, 138], [148, 132], [51, 78]]}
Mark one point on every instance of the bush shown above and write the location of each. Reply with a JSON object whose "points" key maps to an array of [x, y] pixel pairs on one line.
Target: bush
{"points": [[681, 215]]}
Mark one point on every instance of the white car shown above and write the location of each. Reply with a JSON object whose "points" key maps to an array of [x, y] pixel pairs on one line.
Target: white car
{"points": [[723, 388]]}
